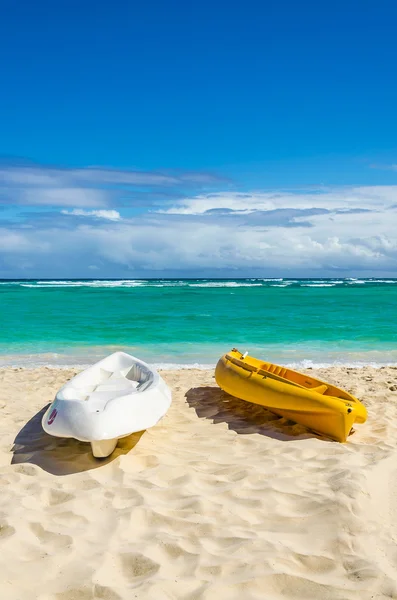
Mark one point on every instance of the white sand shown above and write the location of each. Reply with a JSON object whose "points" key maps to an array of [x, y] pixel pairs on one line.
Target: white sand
{"points": [[221, 500]]}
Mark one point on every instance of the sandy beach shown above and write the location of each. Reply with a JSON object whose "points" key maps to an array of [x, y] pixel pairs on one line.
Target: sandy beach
{"points": [[221, 500]]}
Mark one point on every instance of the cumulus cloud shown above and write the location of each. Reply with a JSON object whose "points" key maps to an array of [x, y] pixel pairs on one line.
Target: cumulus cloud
{"points": [[333, 241], [325, 231]]}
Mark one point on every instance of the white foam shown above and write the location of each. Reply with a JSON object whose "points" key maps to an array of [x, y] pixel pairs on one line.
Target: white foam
{"points": [[204, 283], [59, 361], [94, 283], [317, 285], [225, 284], [302, 364], [383, 281]]}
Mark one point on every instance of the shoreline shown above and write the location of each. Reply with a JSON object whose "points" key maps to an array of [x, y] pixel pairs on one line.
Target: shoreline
{"points": [[31, 362]]}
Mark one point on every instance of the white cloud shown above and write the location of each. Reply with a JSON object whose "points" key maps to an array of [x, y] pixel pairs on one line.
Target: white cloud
{"points": [[110, 215], [63, 197], [19, 242], [302, 240], [88, 187], [365, 197], [53, 176]]}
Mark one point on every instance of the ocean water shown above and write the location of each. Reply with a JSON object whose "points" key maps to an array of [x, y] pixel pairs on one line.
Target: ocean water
{"points": [[169, 323]]}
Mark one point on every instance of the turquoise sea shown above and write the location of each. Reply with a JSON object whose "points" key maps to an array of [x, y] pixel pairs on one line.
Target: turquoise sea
{"points": [[192, 322]]}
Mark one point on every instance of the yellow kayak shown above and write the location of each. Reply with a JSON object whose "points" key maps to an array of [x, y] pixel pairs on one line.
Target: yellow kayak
{"points": [[316, 404]]}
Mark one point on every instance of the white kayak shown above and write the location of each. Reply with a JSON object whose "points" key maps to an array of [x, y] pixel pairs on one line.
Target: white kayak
{"points": [[115, 397]]}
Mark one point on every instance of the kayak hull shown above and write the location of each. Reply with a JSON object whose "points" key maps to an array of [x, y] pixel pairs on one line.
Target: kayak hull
{"points": [[112, 399], [329, 411]]}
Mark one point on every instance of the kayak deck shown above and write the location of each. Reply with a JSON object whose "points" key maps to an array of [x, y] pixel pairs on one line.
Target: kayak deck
{"points": [[316, 404]]}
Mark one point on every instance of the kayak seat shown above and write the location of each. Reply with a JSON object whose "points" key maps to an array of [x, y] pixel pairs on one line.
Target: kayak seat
{"points": [[320, 389], [117, 385], [275, 369], [105, 392]]}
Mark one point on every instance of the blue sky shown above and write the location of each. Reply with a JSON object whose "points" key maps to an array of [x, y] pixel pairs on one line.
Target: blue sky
{"points": [[156, 112]]}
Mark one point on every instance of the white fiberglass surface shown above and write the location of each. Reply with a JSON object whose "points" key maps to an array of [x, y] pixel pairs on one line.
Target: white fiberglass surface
{"points": [[116, 376]]}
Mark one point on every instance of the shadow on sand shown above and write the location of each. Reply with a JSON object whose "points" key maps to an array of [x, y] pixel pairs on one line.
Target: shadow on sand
{"points": [[61, 456], [244, 417]]}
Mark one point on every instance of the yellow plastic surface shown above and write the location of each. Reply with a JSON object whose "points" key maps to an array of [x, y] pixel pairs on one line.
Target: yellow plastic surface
{"points": [[316, 404]]}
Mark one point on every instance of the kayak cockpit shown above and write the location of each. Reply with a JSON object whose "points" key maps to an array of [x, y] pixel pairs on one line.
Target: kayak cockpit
{"points": [[102, 385], [110, 400], [316, 404], [288, 376]]}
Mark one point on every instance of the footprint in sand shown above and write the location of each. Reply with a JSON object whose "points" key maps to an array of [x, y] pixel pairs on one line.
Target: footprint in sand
{"points": [[6, 530], [30, 470], [102, 592], [75, 594], [137, 565], [50, 539], [70, 519], [54, 497]]}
